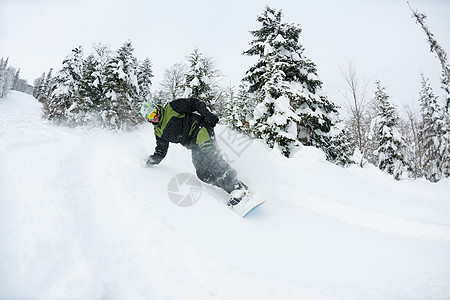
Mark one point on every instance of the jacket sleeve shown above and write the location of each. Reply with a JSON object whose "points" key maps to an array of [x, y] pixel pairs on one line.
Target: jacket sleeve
{"points": [[189, 105], [160, 151]]}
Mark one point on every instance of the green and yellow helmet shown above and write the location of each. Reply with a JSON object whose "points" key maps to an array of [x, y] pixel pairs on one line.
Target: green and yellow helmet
{"points": [[149, 110]]}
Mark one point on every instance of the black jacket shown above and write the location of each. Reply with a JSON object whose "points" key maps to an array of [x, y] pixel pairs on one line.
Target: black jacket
{"points": [[180, 121]]}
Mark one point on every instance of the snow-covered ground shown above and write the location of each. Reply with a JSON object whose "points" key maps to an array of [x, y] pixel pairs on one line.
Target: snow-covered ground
{"points": [[81, 218]]}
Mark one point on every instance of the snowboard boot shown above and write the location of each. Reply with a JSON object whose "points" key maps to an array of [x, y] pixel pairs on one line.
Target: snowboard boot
{"points": [[236, 195]]}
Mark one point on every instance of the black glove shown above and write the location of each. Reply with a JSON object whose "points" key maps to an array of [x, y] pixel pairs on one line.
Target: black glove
{"points": [[212, 120]]}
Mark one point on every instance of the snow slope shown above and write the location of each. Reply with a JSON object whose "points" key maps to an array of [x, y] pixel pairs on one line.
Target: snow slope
{"points": [[81, 218]]}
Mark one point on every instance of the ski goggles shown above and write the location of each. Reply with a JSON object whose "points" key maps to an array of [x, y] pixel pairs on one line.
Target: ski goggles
{"points": [[152, 116], [149, 111]]}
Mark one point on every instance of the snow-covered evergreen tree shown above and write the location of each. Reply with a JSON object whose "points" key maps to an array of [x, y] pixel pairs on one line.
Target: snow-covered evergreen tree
{"points": [[43, 86], [432, 133], [2, 70], [122, 90], [145, 74], [341, 147], [200, 78], [239, 108], [10, 79], [441, 54], [390, 150], [66, 88], [103, 88], [89, 92], [6, 77], [38, 86], [47, 85], [161, 97], [16, 81], [291, 105], [274, 118], [93, 82], [3, 76]]}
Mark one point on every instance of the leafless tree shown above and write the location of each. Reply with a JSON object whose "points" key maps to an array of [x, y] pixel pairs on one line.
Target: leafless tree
{"points": [[355, 94], [173, 81]]}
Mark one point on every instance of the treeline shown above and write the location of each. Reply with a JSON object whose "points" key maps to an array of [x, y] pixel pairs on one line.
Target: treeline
{"points": [[416, 147], [10, 79], [103, 89], [280, 100], [406, 148], [107, 87], [282, 95]]}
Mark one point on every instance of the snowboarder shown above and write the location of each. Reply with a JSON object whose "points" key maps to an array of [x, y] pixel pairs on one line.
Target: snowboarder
{"points": [[189, 122]]}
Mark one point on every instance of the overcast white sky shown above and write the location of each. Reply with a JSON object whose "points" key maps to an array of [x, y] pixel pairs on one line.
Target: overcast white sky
{"points": [[379, 36]]}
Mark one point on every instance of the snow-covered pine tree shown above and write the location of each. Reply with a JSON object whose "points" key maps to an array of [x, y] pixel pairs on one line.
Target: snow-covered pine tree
{"points": [[288, 90], [274, 119], [161, 97], [93, 81], [441, 54], [3, 76], [341, 147], [91, 86], [47, 86], [82, 110], [446, 146], [432, 133], [66, 88], [239, 108], [6, 77], [246, 104], [122, 90], [230, 99], [10, 79], [390, 157], [145, 74], [16, 81], [24, 87], [38, 85], [200, 78]]}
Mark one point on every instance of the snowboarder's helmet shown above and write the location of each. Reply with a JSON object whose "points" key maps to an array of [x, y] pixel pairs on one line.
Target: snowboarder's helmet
{"points": [[149, 111]]}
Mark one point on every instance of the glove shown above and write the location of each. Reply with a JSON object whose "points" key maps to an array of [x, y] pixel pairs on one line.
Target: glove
{"points": [[212, 120]]}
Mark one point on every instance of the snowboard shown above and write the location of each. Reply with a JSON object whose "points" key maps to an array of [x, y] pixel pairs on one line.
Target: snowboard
{"points": [[248, 203]]}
